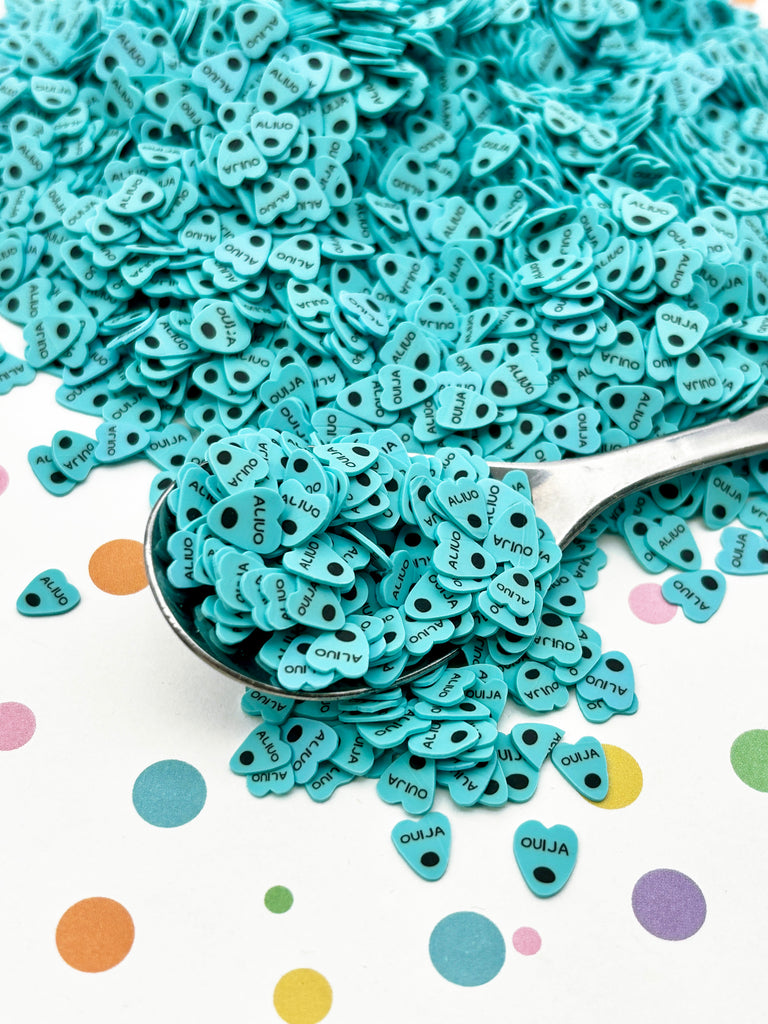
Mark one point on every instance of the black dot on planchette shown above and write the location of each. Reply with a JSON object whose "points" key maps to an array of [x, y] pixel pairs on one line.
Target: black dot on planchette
{"points": [[429, 860], [544, 875], [592, 780]]}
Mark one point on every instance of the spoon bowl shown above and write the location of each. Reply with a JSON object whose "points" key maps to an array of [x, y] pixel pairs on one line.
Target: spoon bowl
{"points": [[567, 495]]}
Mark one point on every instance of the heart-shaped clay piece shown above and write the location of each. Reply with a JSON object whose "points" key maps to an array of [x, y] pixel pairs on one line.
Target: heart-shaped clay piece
{"points": [[698, 593], [424, 845], [326, 781], [611, 680], [49, 593], [535, 740], [546, 856], [311, 742], [673, 541], [743, 553], [520, 777], [263, 750], [583, 764], [493, 150], [679, 329], [444, 739], [277, 780], [724, 498]]}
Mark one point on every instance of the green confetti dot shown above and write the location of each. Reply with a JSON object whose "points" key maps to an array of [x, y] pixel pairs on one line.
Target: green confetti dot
{"points": [[749, 757], [278, 899]]}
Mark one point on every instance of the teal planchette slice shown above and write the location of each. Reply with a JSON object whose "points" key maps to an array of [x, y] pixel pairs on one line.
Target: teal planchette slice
{"points": [[277, 780], [460, 408], [319, 562], [460, 556], [236, 468], [699, 593], [14, 372], [315, 605], [305, 513], [465, 505], [535, 741], [47, 472], [444, 739], [118, 441], [632, 408], [249, 519], [611, 680], [424, 845], [74, 454], [673, 541], [679, 329], [326, 781], [514, 588], [743, 553], [262, 751], [49, 593], [409, 781], [311, 742], [181, 571], [584, 765], [297, 254], [546, 856], [724, 497], [428, 601], [403, 387], [137, 195], [597, 711], [246, 253], [345, 651], [348, 456], [449, 687], [353, 754], [577, 431], [520, 777]]}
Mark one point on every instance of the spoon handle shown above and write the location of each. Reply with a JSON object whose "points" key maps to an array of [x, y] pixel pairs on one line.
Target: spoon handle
{"points": [[569, 494]]}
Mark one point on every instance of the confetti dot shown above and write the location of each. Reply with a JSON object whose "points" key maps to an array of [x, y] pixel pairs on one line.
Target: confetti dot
{"points": [[669, 904], [4, 478], [526, 941], [278, 899], [17, 725], [625, 779], [303, 996], [749, 758], [467, 949], [169, 793], [94, 934], [117, 567], [648, 604]]}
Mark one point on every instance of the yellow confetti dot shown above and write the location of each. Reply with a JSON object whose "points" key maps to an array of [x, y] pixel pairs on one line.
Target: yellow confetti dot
{"points": [[303, 996], [625, 779], [117, 567]]}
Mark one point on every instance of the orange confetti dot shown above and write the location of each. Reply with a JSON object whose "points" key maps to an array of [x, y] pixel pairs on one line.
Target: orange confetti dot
{"points": [[94, 934], [117, 567]]}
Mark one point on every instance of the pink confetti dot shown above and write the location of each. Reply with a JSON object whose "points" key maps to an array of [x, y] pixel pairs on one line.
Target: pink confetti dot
{"points": [[17, 725], [526, 941], [647, 603], [3, 478]]}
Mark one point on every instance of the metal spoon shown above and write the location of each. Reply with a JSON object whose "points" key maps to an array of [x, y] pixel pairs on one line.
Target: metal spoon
{"points": [[567, 495]]}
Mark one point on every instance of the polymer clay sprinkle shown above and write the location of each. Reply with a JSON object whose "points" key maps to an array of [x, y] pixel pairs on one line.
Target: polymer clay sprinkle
{"points": [[266, 234], [49, 593]]}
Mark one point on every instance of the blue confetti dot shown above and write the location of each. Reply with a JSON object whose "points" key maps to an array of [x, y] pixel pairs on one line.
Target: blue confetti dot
{"points": [[169, 793], [467, 949]]}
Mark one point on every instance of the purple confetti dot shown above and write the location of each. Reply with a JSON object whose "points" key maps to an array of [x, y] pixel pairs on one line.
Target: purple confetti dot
{"points": [[669, 904]]}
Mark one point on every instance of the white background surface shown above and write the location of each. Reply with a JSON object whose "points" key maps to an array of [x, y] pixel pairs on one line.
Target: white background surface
{"points": [[113, 691]]}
